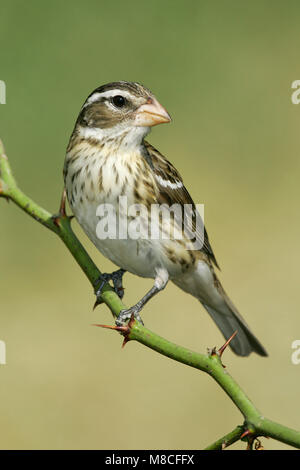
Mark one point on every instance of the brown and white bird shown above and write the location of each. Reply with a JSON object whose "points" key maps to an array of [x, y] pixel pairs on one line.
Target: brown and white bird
{"points": [[107, 159]]}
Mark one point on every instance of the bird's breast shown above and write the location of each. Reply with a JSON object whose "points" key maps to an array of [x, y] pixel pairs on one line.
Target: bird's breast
{"points": [[104, 190], [101, 189]]}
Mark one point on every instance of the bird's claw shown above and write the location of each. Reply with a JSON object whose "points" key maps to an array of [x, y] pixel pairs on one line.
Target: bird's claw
{"points": [[125, 315], [116, 278]]}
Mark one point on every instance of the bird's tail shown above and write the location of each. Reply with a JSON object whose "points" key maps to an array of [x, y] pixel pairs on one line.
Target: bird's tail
{"points": [[228, 319], [203, 284]]}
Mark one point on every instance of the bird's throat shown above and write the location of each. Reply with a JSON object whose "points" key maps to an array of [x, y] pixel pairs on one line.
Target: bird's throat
{"points": [[117, 138]]}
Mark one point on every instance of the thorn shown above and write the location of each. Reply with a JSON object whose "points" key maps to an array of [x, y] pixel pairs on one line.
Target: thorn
{"points": [[122, 329], [129, 326], [246, 433], [222, 348], [55, 219], [250, 438], [62, 210], [131, 321], [98, 302], [62, 207], [125, 341]]}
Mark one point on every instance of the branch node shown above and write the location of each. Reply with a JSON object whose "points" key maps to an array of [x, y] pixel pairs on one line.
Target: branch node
{"points": [[123, 329]]}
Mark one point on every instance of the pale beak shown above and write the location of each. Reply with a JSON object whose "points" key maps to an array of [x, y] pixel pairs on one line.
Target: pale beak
{"points": [[151, 113]]}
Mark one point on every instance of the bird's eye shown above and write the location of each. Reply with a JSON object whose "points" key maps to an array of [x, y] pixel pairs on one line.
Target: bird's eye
{"points": [[119, 101]]}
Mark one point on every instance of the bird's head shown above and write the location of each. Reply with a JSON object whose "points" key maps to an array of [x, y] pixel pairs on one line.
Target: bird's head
{"points": [[118, 109]]}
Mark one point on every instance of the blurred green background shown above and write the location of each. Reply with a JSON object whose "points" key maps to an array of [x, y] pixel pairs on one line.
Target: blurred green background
{"points": [[224, 72]]}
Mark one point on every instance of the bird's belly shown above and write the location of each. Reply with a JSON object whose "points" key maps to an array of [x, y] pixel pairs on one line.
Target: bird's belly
{"points": [[141, 256], [202, 283]]}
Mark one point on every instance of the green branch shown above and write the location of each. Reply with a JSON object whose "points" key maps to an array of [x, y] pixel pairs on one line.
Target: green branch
{"points": [[227, 440], [254, 423]]}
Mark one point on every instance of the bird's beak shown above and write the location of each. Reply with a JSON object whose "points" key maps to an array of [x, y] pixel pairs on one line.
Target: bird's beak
{"points": [[151, 113]]}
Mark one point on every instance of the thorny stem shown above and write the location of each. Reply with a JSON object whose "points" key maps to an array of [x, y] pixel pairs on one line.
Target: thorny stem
{"points": [[254, 425], [227, 440]]}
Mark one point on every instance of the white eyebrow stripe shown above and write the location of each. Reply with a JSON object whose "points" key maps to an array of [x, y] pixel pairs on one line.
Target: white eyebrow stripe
{"points": [[106, 94], [166, 183]]}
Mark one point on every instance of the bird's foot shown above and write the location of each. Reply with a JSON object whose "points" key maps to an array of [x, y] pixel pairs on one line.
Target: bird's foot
{"points": [[125, 315], [116, 278]]}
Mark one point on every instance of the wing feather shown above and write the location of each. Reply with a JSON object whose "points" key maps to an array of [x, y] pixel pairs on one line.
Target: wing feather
{"points": [[172, 191]]}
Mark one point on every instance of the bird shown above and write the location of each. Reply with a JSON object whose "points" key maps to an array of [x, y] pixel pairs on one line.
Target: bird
{"points": [[108, 162]]}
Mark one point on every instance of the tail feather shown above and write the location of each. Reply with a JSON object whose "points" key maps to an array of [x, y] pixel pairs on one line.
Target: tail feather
{"points": [[229, 320], [203, 284]]}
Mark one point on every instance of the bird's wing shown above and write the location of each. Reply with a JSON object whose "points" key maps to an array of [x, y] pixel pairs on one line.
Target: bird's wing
{"points": [[171, 190]]}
